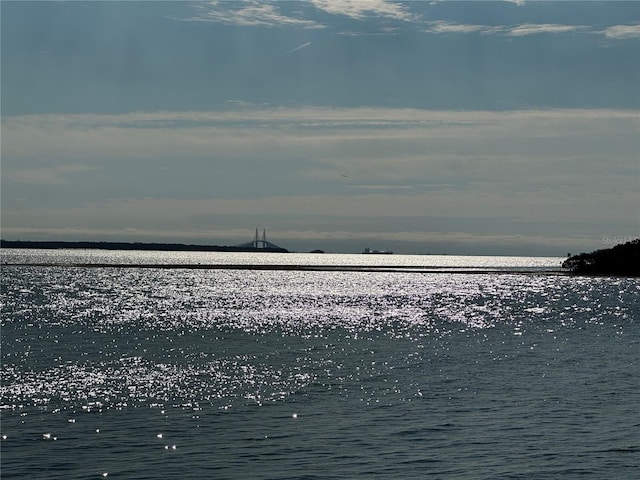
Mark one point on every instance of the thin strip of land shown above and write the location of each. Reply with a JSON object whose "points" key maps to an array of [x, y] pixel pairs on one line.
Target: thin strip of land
{"points": [[302, 268], [163, 247]]}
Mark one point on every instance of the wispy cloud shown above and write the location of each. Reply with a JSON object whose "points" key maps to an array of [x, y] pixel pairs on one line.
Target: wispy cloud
{"points": [[272, 14], [448, 27], [540, 28], [616, 32], [248, 13], [619, 32], [381, 32], [359, 9], [261, 13]]}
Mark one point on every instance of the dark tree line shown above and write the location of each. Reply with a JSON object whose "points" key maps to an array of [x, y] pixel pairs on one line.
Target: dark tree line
{"points": [[623, 259]]}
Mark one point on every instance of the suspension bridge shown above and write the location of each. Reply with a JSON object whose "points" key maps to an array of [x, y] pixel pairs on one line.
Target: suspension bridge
{"points": [[261, 244]]}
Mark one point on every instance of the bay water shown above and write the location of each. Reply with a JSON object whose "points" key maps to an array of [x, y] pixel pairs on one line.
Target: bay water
{"points": [[371, 366]]}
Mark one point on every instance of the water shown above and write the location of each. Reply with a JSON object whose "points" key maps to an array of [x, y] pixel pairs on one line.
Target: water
{"points": [[224, 259], [153, 373]]}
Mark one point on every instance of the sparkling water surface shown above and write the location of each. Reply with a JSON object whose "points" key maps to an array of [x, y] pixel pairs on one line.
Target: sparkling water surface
{"points": [[179, 373], [128, 257]]}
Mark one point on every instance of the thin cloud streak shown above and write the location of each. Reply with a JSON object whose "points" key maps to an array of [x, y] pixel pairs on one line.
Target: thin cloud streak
{"points": [[325, 131], [307, 115], [300, 47], [447, 27], [523, 30], [537, 29]]}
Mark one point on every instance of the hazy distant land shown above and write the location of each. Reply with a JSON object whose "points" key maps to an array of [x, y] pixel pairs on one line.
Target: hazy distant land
{"points": [[167, 247]]}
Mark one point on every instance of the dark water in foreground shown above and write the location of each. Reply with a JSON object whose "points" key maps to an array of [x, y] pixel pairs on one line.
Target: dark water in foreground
{"points": [[234, 374]]}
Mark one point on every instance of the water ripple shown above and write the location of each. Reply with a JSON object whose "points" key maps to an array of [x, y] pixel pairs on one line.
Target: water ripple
{"points": [[328, 374]]}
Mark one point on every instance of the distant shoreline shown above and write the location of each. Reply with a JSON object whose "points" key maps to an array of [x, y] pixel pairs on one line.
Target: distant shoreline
{"points": [[301, 268], [162, 247]]}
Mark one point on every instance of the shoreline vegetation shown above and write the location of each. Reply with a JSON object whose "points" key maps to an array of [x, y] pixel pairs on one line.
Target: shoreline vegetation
{"points": [[623, 259]]}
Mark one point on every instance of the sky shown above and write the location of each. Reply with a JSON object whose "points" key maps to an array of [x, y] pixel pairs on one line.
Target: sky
{"points": [[500, 128]]}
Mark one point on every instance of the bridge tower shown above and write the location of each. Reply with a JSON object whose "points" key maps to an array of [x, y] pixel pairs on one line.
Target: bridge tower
{"points": [[261, 243]]}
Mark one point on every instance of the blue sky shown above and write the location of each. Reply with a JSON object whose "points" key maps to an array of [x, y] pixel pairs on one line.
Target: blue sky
{"points": [[427, 127]]}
